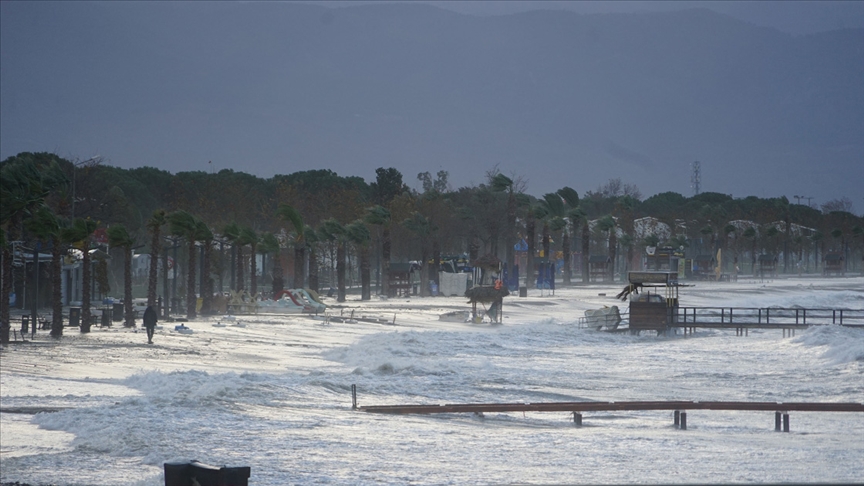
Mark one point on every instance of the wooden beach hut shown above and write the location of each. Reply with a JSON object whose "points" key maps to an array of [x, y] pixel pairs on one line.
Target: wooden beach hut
{"points": [[833, 264], [598, 268]]}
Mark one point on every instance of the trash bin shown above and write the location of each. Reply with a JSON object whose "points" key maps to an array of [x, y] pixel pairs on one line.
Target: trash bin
{"points": [[74, 316], [106, 317], [523, 291], [25, 324], [181, 474], [117, 311]]}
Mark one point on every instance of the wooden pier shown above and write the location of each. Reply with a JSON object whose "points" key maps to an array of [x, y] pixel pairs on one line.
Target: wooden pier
{"points": [[742, 319], [781, 409]]}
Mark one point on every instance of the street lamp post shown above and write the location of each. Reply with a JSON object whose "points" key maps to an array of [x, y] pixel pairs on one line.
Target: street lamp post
{"points": [[95, 158]]}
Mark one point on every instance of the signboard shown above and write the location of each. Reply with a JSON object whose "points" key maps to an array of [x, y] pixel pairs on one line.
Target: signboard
{"points": [[665, 278]]}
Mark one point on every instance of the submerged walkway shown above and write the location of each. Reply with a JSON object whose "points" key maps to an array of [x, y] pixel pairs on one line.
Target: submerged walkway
{"points": [[781, 409]]}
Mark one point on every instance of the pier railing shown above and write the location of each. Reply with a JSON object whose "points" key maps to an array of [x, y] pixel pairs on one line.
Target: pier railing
{"points": [[766, 317]]}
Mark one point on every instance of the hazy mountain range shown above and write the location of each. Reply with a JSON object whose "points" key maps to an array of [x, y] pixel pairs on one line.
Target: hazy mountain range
{"points": [[556, 97]]}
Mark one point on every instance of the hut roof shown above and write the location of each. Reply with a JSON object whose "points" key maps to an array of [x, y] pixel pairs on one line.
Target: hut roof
{"points": [[599, 259], [767, 258], [403, 267], [488, 261], [833, 257]]}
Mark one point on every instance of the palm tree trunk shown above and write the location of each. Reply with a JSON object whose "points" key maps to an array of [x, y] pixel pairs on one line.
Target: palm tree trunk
{"points": [[365, 274], [56, 288], [5, 324], [240, 282], [278, 274], [207, 292], [191, 301], [340, 271], [253, 271], [586, 248], [385, 261], [565, 243], [613, 252], [153, 276], [86, 276], [127, 287], [529, 265], [299, 263]]}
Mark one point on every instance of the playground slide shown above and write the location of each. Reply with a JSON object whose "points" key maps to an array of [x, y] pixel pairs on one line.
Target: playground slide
{"points": [[315, 296]]}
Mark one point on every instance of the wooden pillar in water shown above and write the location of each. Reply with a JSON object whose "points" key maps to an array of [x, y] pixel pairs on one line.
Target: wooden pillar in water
{"points": [[677, 416], [683, 420], [577, 419], [777, 419], [785, 422]]}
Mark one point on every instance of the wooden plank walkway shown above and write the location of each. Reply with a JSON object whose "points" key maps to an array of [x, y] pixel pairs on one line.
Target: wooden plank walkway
{"points": [[781, 409], [614, 406]]}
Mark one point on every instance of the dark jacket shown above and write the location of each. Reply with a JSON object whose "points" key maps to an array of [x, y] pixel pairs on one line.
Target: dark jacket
{"points": [[150, 317]]}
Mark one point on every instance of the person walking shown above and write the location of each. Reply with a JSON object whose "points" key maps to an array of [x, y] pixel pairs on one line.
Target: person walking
{"points": [[150, 319]]}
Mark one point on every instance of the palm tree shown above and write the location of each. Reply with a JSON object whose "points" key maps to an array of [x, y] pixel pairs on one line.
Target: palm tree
{"points": [[80, 232], [270, 245], [291, 215], [334, 231], [311, 240], [423, 228], [154, 225], [118, 236], [752, 235], [205, 236], [248, 236], [185, 225], [24, 185], [608, 224], [502, 183], [231, 232], [358, 234], [45, 225], [380, 216]]}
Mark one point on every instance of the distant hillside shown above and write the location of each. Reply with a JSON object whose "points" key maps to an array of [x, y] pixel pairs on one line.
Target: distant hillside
{"points": [[561, 98]]}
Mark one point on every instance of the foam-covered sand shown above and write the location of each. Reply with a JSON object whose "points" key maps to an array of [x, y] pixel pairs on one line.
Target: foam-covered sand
{"points": [[275, 395]]}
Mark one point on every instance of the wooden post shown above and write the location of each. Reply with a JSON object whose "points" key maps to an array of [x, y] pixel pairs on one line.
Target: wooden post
{"points": [[677, 415], [683, 420], [777, 418], [785, 422], [354, 397], [577, 419]]}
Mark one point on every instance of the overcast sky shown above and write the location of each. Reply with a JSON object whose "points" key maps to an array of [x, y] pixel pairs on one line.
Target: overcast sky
{"points": [[177, 85], [795, 17]]}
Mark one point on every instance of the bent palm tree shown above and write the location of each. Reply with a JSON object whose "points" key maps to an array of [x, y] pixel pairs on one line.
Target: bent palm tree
{"points": [[154, 225], [185, 225], [118, 236], [291, 215], [80, 232], [358, 235]]}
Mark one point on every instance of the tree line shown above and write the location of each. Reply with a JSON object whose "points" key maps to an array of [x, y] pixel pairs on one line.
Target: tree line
{"points": [[312, 222]]}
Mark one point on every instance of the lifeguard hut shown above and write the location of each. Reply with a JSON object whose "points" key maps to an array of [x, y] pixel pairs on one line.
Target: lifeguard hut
{"points": [[662, 259], [653, 300], [767, 265], [402, 279], [598, 268], [833, 264]]}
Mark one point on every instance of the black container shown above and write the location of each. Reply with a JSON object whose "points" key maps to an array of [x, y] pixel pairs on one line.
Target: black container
{"points": [[117, 311], [25, 324], [106, 317], [182, 474], [523, 291], [74, 316]]}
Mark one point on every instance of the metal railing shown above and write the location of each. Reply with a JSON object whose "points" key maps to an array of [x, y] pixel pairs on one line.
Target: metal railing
{"points": [[766, 317]]}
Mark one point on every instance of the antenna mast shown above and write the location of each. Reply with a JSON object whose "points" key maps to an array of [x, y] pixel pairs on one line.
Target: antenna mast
{"points": [[696, 177]]}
